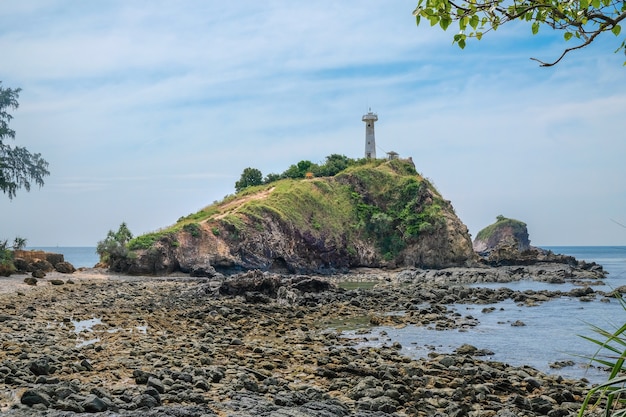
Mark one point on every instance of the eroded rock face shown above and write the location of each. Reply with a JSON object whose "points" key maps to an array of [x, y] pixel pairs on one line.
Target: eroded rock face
{"points": [[278, 247]]}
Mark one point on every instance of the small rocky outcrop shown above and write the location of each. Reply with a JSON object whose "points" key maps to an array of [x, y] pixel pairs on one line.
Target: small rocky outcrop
{"points": [[507, 243], [40, 262], [504, 233]]}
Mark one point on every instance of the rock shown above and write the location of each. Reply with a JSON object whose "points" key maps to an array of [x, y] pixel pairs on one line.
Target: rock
{"points": [[35, 396], [86, 365], [94, 404], [41, 366], [64, 267], [202, 271], [157, 384], [542, 405], [57, 282], [146, 400], [43, 265], [251, 282], [466, 349], [21, 265], [30, 280], [518, 323]]}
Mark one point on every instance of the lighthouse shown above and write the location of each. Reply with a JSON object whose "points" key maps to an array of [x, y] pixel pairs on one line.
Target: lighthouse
{"points": [[370, 141]]}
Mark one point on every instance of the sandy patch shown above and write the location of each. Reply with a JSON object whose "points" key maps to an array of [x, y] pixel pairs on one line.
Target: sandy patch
{"points": [[15, 283]]}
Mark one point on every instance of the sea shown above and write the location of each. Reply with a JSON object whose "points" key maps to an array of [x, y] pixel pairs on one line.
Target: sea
{"points": [[79, 256], [552, 338], [552, 334]]}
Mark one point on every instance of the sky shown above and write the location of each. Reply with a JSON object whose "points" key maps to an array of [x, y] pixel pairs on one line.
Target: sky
{"points": [[149, 111]]}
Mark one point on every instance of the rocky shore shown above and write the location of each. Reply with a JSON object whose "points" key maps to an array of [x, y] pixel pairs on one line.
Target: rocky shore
{"points": [[261, 344]]}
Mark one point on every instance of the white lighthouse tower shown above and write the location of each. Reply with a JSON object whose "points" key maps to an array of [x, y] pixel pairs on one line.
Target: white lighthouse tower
{"points": [[370, 140]]}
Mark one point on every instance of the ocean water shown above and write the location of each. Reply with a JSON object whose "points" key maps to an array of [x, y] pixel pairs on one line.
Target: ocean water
{"points": [[552, 331], [79, 256]]}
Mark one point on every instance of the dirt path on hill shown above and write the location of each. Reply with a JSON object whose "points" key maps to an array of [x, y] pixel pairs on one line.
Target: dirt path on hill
{"points": [[231, 206]]}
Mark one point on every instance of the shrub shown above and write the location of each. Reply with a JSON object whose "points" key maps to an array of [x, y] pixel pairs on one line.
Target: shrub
{"points": [[193, 229]]}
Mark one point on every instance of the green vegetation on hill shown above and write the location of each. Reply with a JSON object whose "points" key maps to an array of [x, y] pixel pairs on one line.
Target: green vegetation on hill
{"points": [[384, 202], [501, 221]]}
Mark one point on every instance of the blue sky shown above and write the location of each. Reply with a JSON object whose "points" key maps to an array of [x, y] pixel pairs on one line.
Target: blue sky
{"points": [[149, 111]]}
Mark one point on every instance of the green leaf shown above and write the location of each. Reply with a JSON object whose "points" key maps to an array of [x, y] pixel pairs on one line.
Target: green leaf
{"points": [[479, 35], [568, 35], [584, 4], [444, 22], [417, 19], [616, 30], [433, 19], [535, 28], [463, 22], [474, 22], [596, 3], [462, 44]]}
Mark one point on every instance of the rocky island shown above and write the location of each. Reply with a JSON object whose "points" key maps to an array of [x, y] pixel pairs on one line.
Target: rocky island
{"points": [[374, 213]]}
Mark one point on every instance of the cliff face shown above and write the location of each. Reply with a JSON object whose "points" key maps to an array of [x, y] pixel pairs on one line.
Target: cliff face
{"points": [[372, 215]]}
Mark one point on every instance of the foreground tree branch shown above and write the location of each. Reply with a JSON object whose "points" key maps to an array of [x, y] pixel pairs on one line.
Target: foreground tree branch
{"points": [[584, 20]]}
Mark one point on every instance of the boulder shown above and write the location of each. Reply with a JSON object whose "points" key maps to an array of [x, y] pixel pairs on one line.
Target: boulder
{"points": [[38, 273], [35, 396], [64, 267], [30, 281]]}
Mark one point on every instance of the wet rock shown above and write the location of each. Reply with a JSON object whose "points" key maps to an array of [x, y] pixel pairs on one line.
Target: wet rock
{"points": [[466, 349]]}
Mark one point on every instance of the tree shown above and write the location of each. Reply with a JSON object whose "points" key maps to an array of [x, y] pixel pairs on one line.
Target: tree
{"points": [[18, 167], [334, 164], [300, 169], [19, 243], [249, 178], [114, 247], [272, 177], [583, 20]]}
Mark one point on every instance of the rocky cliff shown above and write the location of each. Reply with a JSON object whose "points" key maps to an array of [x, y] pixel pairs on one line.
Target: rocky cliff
{"points": [[375, 214]]}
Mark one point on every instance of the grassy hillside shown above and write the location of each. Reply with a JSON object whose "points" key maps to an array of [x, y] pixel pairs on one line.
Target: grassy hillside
{"points": [[384, 201]]}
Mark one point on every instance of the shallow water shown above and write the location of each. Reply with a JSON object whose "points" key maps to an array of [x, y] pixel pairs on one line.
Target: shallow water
{"points": [[552, 330]]}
